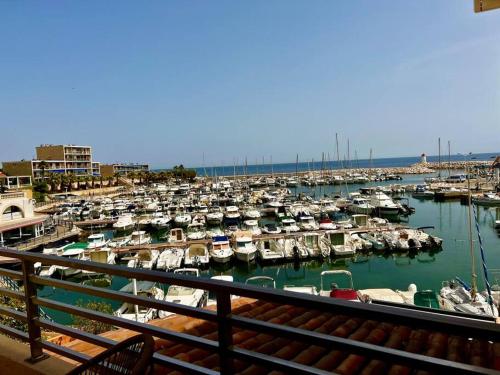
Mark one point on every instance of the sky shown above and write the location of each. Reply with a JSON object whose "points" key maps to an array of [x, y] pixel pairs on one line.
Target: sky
{"points": [[212, 82]]}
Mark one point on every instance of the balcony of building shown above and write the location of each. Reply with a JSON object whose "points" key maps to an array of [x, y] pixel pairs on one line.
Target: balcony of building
{"points": [[260, 331]]}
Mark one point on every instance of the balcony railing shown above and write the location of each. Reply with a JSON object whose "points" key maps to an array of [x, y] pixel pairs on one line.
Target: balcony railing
{"points": [[451, 323]]}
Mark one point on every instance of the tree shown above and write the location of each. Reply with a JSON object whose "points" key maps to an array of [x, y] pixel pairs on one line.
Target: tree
{"points": [[117, 176], [43, 166], [89, 325], [93, 179]]}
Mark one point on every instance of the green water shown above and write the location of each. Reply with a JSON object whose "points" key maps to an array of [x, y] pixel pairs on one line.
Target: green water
{"points": [[426, 270]]}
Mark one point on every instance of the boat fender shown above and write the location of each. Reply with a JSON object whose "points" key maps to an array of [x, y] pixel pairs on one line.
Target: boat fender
{"points": [[412, 288]]}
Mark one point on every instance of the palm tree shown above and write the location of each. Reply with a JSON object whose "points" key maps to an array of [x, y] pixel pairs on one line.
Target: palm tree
{"points": [[43, 166], [110, 180], [117, 176], [93, 180]]}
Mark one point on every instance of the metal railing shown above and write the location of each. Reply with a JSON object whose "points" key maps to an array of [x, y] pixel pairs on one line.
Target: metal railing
{"points": [[223, 317]]}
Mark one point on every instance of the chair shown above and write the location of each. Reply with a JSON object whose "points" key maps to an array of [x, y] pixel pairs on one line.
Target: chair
{"points": [[130, 357]]}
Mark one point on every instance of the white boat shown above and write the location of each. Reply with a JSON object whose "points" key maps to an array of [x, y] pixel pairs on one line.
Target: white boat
{"points": [[346, 293], [269, 250], [103, 255], [340, 243], [176, 236], [139, 238], [326, 223], [124, 222], [307, 223], [305, 289], [148, 258], [119, 241], [271, 229], [245, 250], [457, 297], [96, 241], [137, 313], [252, 214], [221, 251], [170, 259], [289, 225], [196, 231], [65, 271], [315, 245], [383, 204], [489, 199], [293, 249], [252, 226], [159, 221], [214, 216], [232, 212], [182, 220], [376, 243], [197, 255], [360, 205], [184, 295]]}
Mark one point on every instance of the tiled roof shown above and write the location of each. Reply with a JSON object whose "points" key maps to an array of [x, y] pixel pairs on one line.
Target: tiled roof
{"points": [[421, 341]]}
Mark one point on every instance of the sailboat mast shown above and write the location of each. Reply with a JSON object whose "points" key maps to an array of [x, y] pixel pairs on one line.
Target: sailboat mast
{"points": [[337, 144], [449, 159], [348, 153], [471, 241], [272, 169], [439, 156]]}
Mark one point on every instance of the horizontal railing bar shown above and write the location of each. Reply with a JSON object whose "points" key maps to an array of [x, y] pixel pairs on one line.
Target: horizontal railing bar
{"points": [[198, 342], [184, 367], [18, 315], [65, 352], [76, 333], [276, 363], [127, 297], [11, 293], [359, 347], [16, 275], [15, 333]]}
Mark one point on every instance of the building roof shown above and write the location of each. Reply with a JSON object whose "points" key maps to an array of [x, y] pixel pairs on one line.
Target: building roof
{"points": [[390, 335]]}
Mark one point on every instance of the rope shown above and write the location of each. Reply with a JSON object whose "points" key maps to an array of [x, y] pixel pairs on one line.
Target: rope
{"points": [[483, 259]]}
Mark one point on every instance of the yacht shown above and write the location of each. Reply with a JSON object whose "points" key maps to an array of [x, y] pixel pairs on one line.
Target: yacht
{"points": [[139, 238], [197, 255], [185, 295], [245, 249], [488, 199], [95, 241], [137, 313], [221, 251], [252, 226], [382, 204], [170, 259], [124, 223]]}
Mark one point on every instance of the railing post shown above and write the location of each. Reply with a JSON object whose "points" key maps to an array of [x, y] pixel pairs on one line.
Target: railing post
{"points": [[225, 332], [33, 314]]}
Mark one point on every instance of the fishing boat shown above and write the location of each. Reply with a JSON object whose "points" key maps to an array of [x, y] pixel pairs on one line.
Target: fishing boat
{"points": [[95, 241], [184, 295], [221, 251], [197, 255], [253, 227], [170, 259], [245, 250], [124, 222], [340, 243], [103, 255], [137, 313], [269, 251], [139, 238], [176, 235]]}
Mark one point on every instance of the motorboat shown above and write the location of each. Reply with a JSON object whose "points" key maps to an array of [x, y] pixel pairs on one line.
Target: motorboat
{"points": [[221, 251], [196, 231], [383, 204], [139, 238], [148, 258], [103, 255], [214, 216], [289, 225], [360, 205], [340, 243], [271, 229], [252, 226], [137, 313], [252, 214], [347, 293], [293, 249], [232, 212], [71, 253], [422, 192], [197, 255], [124, 222], [95, 241], [304, 289], [170, 259], [376, 243], [307, 223], [160, 221], [269, 251], [315, 246], [325, 223], [456, 296], [119, 241], [245, 250], [185, 295], [176, 235], [182, 219], [488, 199]]}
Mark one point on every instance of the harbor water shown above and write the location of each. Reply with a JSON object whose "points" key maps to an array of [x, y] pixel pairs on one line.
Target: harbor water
{"points": [[396, 271]]}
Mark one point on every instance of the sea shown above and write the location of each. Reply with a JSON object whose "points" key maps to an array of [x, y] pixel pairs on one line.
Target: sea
{"points": [[427, 270], [302, 166]]}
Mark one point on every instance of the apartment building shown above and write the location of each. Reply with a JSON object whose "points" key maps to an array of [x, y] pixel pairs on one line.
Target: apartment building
{"points": [[122, 169]]}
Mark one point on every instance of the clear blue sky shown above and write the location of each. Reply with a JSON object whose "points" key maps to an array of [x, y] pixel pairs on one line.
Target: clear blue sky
{"points": [[165, 82]]}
